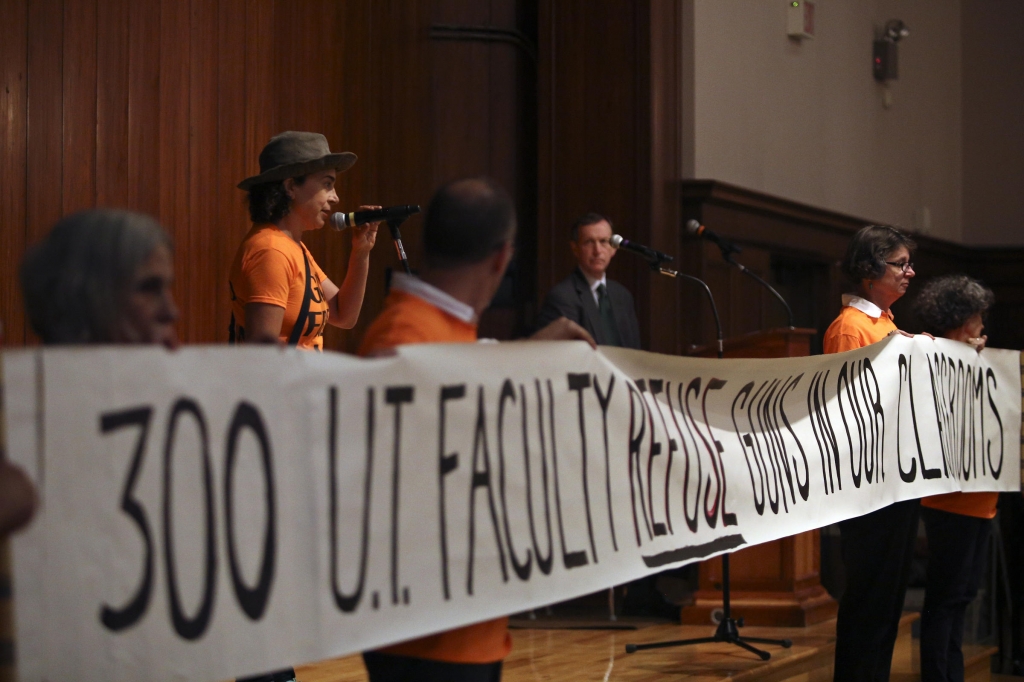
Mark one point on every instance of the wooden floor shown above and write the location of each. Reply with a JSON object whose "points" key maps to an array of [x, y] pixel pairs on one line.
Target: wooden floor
{"points": [[539, 655]]}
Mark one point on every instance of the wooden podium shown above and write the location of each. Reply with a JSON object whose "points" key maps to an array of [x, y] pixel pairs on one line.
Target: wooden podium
{"points": [[776, 583]]}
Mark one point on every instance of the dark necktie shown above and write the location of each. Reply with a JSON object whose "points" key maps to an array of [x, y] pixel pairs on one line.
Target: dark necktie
{"points": [[604, 304]]}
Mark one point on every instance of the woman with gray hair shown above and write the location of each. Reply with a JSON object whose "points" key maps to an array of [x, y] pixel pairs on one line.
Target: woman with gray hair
{"points": [[958, 524], [101, 276]]}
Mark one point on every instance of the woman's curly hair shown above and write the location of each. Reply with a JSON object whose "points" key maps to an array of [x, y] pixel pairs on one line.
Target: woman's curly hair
{"points": [[269, 201], [946, 303], [868, 249]]}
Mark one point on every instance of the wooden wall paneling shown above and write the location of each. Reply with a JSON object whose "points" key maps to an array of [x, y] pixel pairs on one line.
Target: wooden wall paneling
{"points": [[45, 116], [477, 92], [111, 103], [232, 219], [567, 121], [299, 83], [503, 137], [345, 27], [349, 121], [398, 130], [260, 99], [79, 76], [590, 154], [13, 150], [547, 109], [348, 105], [666, 299], [144, 107], [526, 126], [258, 121], [173, 155], [202, 268], [462, 86]]}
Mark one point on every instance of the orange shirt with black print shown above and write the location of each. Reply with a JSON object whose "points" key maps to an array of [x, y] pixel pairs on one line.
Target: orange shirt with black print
{"points": [[861, 323], [415, 312], [271, 267]]}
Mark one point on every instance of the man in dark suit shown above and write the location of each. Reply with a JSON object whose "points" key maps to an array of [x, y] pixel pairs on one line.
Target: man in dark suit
{"points": [[602, 307], [605, 309]]}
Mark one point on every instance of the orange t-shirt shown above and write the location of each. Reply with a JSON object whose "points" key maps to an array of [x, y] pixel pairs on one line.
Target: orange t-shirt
{"points": [[409, 319], [980, 505], [271, 267], [855, 329]]}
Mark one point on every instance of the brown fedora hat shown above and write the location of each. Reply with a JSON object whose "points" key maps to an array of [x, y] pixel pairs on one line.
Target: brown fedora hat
{"points": [[290, 154]]}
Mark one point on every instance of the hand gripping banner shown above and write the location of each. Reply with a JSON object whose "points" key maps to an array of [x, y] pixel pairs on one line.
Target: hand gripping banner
{"points": [[215, 512]]}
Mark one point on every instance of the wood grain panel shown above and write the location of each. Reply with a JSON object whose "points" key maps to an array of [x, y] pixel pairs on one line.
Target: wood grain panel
{"points": [[174, 149], [260, 110], [299, 80], [13, 149], [347, 122], [79, 76], [664, 300], [144, 107], [112, 103], [232, 218], [45, 115], [200, 265], [387, 123], [595, 117]]}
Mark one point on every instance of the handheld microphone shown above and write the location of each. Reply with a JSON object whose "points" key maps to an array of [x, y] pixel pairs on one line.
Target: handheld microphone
{"points": [[618, 241], [698, 230], [339, 221]]}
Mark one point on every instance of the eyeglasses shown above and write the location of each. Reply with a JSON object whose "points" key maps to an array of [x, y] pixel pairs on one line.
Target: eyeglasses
{"points": [[902, 265]]}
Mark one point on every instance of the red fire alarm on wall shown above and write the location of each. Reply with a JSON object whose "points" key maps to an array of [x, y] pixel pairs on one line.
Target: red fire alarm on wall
{"points": [[800, 20]]}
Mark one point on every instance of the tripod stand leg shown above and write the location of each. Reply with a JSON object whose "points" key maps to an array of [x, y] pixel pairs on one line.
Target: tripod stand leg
{"points": [[784, 643], [632, 648], [764, 655]]}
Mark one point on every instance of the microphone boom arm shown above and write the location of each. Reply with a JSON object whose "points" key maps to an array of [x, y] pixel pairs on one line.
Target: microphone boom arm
{"points": [[669, 272], [750, 273], [396, 236]]}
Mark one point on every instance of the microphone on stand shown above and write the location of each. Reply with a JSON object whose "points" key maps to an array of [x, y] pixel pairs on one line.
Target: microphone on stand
{"points": [[728, 248], [620, 242], [655, 259], [728, 627], [698, 230], [393, 216]]}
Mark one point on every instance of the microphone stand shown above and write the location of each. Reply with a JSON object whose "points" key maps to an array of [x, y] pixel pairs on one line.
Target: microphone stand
{"points": [[658, 267], [728, 250], [728, 627], [396, 236]]}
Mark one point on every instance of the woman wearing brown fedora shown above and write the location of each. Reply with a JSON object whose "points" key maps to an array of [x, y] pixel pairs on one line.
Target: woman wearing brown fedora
{"points": [[278, 292]]}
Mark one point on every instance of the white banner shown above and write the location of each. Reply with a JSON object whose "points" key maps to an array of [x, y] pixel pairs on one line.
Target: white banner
{"points": [[216, 511]]}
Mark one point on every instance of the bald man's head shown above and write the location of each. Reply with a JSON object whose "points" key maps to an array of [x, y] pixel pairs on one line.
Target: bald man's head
{"points": [[467, 221]]}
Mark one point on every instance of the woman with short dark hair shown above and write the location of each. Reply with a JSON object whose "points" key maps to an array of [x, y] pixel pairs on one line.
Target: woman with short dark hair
{"points": [[958, 524], [877, 548], [101, 276], [278, 292]]}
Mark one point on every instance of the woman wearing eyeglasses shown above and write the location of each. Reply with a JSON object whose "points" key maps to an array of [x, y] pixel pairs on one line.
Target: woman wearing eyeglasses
{"points": [[877, 548]]}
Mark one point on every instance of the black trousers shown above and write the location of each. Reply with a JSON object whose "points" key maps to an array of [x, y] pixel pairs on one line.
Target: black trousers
{"points": [[391, 668], [957, 553], [877, 550]]}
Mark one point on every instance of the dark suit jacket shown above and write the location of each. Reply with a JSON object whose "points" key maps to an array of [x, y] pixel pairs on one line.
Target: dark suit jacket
{"points": [[572, 298]]}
